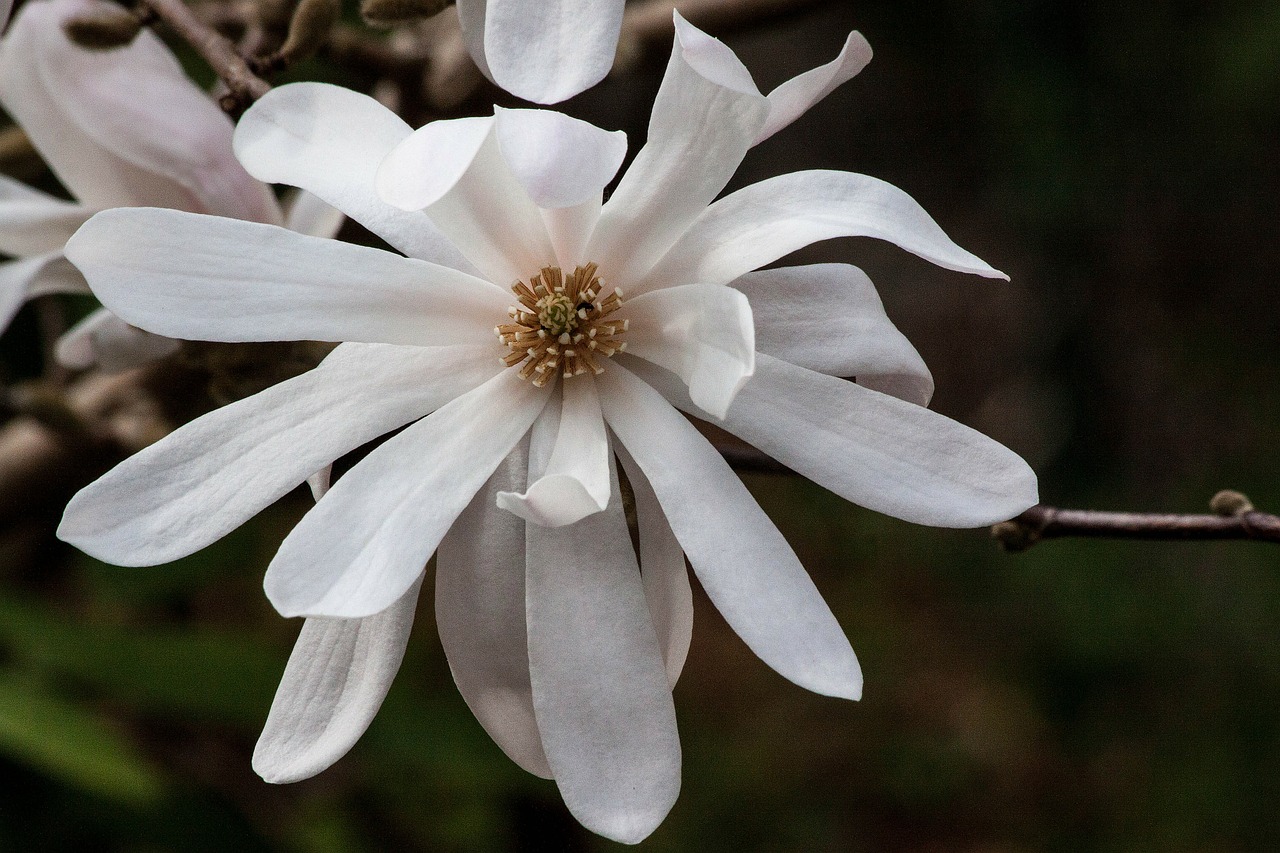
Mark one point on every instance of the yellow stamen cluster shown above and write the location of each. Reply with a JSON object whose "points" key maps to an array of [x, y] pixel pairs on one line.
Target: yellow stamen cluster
{"points": [[559, 325]]}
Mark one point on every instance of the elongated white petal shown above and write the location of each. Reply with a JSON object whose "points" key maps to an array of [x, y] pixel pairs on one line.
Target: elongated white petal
{"points": [[570, 228], [575, 483], [759, 224], [426, 164], [748, 570], [32, 223], [599, 685], [829, 318], [198, 277], [875, 450], [309, 214], [560, 161], [552, 50], [334, 684], [481, 615], [201, 482], [662, 571], [793, 98], [701, 332], [104, 339], [330, 141], [27, 278], [124, 126], [369, 537], [702, 125]]}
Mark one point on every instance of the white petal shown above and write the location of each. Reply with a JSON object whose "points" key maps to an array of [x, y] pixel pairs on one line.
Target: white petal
{"points": [[599, 685], [793, 98], [199, 277], [560, 161], [701, 128], [748, 570], [760, 223], [471, 16], [125, 126], [104, 339], [32, 223], [426, 164], [332, 687], [311, 215], [875, 450], [570, 228], [662, 571], [576, 481], [481, 615], [829, 318], [201, 482], [330, 141], [369, 537], [552, 50], [27, 278], [701, 332]]}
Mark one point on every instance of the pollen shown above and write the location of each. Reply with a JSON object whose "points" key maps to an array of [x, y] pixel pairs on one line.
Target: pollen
{"points": [[562, 325]]}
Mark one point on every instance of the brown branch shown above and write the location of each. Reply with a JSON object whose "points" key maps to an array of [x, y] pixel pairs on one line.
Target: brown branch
{"points": [[1047, 522], [243, 86]]}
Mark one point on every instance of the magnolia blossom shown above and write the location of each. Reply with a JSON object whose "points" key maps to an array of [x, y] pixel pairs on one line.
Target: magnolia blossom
{"points": [[532, 336], [119, 128], [542, 52]]}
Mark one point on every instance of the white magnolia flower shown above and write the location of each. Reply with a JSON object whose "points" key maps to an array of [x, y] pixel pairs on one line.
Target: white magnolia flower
{"points": [[542, 52], [120, 128], [563, 643]]}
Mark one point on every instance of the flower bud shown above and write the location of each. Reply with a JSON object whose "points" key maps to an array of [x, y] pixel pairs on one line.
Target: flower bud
{"points": [[1230, 503], [389, 13], [104, 28], [309, 28]]}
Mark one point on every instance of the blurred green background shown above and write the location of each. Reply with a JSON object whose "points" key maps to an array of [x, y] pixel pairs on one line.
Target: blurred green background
{"points": [[1122, 164]]}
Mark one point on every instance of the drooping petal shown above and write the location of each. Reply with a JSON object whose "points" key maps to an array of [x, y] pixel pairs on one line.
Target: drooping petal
{"points": [[793, 98], [201, 482], [662, 571], [829, 318], [369, 537], [199, 277], [332, 687], [309, 214], [701, 332], [600, 689], [706, 116], [546, 52], [330, 141], [760, 223], [575, 483], [748, 570], [103, 339], [32, 222], [27, 278], [124, 126], [485, 211], [874, 450], [560, 161], [481, 615]]}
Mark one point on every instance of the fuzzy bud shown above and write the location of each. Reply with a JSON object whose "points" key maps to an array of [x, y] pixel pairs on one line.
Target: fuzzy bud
{"points": [[1230, 503], [105, 28], [309, 28], [389, 13]]}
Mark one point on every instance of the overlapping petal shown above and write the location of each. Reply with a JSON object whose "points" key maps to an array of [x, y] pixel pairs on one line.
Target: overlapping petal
{"points": [[559, 160], [198, 277], [27, 278], [747, 569], [332, 688], [104, 339], [32, 222], [369, 537], [204, 480]]}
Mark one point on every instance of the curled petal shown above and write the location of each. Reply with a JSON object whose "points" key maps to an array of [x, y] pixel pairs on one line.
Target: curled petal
{"points": [[28, 278], [428, 162], [560, 161], [703, 333], [748, 570], [334, 684], [793, 98]]}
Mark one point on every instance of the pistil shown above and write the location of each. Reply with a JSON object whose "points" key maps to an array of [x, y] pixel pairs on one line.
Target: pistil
{"points": [[559, 325]]}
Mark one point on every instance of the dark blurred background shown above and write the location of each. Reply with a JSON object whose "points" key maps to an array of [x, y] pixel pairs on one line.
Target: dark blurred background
{"points": [[1122, 163]]}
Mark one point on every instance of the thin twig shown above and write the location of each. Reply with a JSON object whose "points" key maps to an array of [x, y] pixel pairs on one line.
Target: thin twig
{"points": [[1047, 522], [243, 86]]}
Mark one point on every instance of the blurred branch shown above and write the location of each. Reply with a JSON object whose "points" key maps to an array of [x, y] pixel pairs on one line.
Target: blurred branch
{"points": [[1233, 518], [243, 86]]}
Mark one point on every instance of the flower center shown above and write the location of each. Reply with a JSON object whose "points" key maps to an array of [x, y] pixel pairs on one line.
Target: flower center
{"points": [[558, 325]]}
